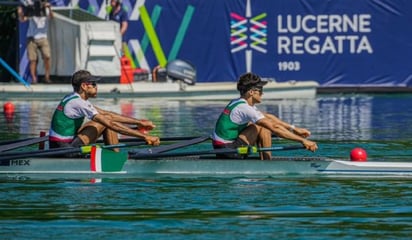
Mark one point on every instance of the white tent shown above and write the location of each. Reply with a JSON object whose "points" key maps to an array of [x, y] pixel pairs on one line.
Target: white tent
{"points": [[80, 40]]}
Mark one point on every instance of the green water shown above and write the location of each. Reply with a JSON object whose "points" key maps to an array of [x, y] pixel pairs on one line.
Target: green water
{"points": [[208, 208], [284, 207]]}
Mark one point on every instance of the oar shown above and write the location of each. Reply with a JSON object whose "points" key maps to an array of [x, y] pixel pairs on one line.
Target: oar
{"points": [[22, 143], [161, 149], [5, 142], [240, 150], [43, 153], [58, 151], [162, 139], [103, 160]]}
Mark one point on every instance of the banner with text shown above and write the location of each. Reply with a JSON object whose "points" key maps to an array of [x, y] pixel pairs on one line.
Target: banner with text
{"points": [[340, 42]]}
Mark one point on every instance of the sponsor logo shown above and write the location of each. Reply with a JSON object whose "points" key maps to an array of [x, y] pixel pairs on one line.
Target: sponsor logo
{"points": [[248, 32]]}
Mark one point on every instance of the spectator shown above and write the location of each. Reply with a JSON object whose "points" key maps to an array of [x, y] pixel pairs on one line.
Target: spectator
{"points": [[119, 15], [38, 14]]}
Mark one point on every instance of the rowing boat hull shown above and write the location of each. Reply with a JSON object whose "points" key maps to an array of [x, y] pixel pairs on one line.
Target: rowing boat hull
{"points": [[200, 166]]}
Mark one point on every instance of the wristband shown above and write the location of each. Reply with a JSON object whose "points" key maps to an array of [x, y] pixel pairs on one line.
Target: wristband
{"points": [[292, 128]]}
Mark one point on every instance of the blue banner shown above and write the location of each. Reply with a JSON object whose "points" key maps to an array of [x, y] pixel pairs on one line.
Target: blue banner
{"points": [[337, 43]]}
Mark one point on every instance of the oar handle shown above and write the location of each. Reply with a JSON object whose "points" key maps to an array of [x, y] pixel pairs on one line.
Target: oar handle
{"points": [[252, 149]]}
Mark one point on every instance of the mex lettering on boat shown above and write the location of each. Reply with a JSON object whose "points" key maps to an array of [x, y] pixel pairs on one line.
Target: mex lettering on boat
{"points": [[16, 162], [19, 162]]}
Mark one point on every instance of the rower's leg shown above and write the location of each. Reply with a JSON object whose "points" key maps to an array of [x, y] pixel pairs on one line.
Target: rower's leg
{"points": [[90, 132], [264, 141], [110, 138], [250, 134], [257, 135]]}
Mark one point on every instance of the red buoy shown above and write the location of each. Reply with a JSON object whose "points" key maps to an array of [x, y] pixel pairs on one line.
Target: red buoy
{"points": [[8, 110], [358, 154]]}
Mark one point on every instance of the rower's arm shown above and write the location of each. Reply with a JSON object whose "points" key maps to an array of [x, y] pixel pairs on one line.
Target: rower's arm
{"points": [[20, 13], [109, 122], [303, 132], [50, 12], [282, 132], [276, 120], [125, 119]]}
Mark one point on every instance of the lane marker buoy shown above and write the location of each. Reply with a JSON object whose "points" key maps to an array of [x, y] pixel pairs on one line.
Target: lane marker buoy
{"points": [[358, 155]]}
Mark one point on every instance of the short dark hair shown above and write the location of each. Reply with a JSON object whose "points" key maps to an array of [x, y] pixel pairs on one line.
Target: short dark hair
{"points": [[248, 81], [80, 77]]}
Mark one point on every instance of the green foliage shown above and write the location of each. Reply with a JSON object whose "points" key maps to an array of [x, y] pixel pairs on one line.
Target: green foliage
{"points": [[8, 27], [8, 36]]}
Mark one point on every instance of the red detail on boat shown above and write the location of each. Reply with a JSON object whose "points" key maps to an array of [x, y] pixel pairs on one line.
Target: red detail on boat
{"points": [[93, 159]]}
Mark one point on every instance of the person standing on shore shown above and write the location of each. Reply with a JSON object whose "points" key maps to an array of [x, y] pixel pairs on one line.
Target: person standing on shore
{"points": [[38, 15], [118, 14]]}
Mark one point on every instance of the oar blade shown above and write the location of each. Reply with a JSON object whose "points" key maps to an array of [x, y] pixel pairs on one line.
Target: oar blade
{"points": [[103, 160]]}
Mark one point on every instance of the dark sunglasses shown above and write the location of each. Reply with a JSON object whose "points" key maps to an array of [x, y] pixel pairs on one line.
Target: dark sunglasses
{"points": [[94, 84], [260, 90]]}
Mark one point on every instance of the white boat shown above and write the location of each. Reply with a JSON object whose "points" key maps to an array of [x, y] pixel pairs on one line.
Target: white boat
{"points": [[166, 90], [201, 166]]}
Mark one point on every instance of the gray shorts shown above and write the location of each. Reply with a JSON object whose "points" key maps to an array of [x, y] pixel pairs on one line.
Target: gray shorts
{"points": [[237, 143], [75, 143]]}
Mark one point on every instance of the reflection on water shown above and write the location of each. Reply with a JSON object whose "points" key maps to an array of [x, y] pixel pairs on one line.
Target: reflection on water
{"points": [[328, 117], [208, 208], [345, 118]]}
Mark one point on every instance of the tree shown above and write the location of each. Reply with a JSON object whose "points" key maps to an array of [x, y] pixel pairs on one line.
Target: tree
{"points": [[8, 38]]}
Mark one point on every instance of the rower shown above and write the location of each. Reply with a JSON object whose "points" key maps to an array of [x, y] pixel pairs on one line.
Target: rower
{"points": [[67, 128], [242, 124]]}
